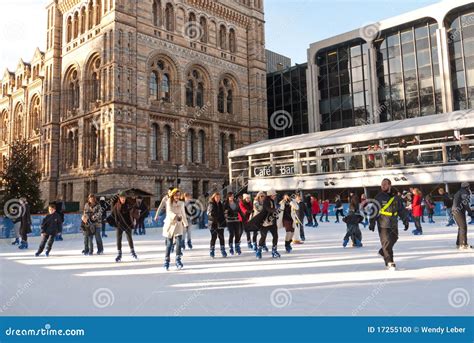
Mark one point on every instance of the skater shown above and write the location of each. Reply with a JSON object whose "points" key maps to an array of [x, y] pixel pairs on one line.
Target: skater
{"points": [[300, 213], [16, 229], [315, 210], [105, 207], [461, 203], [339, 208], [246, 207], [215, 211], [232, 212], [288, 219], [430, 207], [266, 220], [202, 218], [49, 229], [88, 233], [124, 214], [143, 213], [353, 219], [325, 211], [188, 203], [93, 212], [387, 221], [447, 206], [161, 210], [308, 202], [362, 209], [257, 209], [417, 211], [176, 223], [472, 206], [25, 224], [60, 208]]}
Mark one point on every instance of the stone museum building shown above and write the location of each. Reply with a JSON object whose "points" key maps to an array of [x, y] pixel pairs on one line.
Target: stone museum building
{"points": [[139, 94]]}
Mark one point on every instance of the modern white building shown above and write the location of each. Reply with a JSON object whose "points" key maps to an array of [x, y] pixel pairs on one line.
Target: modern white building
{"points": [[392, 99]]}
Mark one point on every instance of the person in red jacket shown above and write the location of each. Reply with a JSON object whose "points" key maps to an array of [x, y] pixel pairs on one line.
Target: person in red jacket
{"points": [[325, 211], [315, 210], [246, 207], [417, 211]]}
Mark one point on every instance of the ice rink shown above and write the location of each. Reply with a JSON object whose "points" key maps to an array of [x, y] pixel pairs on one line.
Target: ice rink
{"points": [[319, 278]]}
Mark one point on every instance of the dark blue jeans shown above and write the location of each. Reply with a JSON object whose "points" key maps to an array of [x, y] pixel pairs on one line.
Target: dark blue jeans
{"points": [[169, 246]]}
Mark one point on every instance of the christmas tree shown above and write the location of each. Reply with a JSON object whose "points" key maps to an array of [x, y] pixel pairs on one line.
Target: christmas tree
{"points": [[21, 178]]}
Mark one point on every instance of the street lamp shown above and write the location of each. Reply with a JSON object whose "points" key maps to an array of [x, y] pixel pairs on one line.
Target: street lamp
{"points": [[178, 181]]}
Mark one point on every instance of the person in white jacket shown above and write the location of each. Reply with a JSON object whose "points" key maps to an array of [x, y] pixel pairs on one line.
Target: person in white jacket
{"points": [[174, 227], [288, 219]]}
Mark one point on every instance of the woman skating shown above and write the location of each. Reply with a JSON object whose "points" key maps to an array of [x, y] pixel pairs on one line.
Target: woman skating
{"points": [[352, 220], [315, 210], [288, 219], [174, 227], [215, 211], [246, 207], [430, 207], [232, 212]]}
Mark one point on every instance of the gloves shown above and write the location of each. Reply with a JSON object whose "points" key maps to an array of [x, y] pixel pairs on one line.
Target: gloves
{"points": [[407, 225], [372, 228]]}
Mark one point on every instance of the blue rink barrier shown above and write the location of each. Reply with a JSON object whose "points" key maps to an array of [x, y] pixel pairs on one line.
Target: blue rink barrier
{"points": [[252, 329], [72, 224]]}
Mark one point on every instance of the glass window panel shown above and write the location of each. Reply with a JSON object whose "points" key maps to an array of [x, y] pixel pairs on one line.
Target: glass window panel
{"points": [[421, 32], [396, 78], [457, 49], [467, 20], [395, 65], [459, 82], [335, 104], [408, 48], [333, 80], [470, 62], [394, 51], [469, 47], [356, 51], [345, 89], [358, 87], [359, 100], [344, 77], [334, 92], [324, 106], [356, 61], [397, 92], [406, 36], [357, 74], [346, 102], [422, 44], [470, 77], [409, 62], [423, 58], [425, 73], [393, 40]]}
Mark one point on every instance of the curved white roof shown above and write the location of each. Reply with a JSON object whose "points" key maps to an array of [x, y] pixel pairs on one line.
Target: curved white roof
{"points": [[398, 128]]}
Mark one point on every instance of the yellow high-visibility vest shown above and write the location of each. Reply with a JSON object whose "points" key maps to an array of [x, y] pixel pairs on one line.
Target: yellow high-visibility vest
{"points": [[384, 211]]}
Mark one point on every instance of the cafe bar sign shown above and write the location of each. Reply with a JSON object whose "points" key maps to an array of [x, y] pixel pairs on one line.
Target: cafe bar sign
{"points": [[266, 171]]}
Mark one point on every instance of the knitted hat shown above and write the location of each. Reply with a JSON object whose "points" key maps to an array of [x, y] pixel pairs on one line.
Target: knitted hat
{"points": [[173, 192]]}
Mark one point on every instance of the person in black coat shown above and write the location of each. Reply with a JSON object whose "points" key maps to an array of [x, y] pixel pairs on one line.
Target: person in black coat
{"points": [[105, 206], [461, 205], [49, 229], [232, 212], [215, 212], [143, 213], [352, 220], [60, 207], [25, 224], [386, 218], [123, 214]]}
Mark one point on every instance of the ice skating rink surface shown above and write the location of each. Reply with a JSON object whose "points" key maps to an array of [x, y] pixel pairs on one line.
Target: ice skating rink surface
{"points": [[320, 278]]}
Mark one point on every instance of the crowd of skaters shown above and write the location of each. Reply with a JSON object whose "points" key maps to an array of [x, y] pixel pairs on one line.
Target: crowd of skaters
{"points": [[238, 214]]}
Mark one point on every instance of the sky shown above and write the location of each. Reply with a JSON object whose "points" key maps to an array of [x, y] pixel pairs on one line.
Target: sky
{"points": [[291, 24]]}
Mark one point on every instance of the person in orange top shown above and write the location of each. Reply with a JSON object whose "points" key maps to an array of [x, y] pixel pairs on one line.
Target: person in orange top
{"points": [[315, 210], [417, 211]]}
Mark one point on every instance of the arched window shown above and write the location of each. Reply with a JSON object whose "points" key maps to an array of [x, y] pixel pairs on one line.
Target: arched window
{"points": [[69, 29], [160, 81], [195, 90], [201, 147], [155, 134], [232, 142], [190, 143], [169, 17], [90, 15], [98, 12], [223, 37], [166, 146], [154, 85], [83, 20], [157, 15], [94, 143], [232, 41], [76, 25], [70, 150], [225, 101], [18, 122], [222, 150], [35, 116], [204, 28], [192, 17], [95, 86], [4, 123], [93, 90]]}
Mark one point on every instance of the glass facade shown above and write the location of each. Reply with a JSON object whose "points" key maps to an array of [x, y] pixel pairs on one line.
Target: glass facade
{"points": [[408, 72], [460, 27], [287, 93], [343, 86]]}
